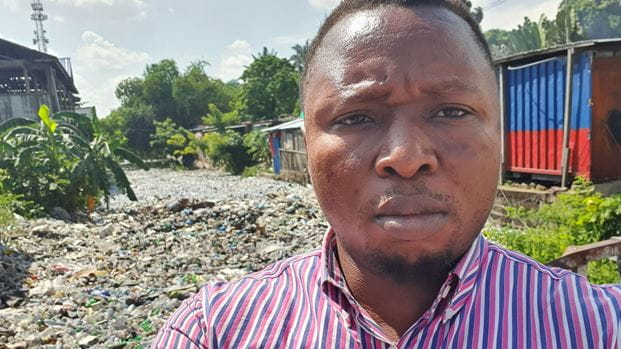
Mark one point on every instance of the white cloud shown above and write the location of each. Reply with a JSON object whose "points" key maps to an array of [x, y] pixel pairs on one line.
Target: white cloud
{"points": [[100, 92], [11, 5], [99, 67], [324, 4], [99, 53], [232, 67], [239, 45], [237, 56]]}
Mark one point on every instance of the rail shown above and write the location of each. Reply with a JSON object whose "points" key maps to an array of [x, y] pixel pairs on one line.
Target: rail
{"points": [[576, 258]]}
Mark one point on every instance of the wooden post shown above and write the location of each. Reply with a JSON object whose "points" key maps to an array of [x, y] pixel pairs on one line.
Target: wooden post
{"points": [[51, 74], [26, 78], [503, 134], [567, 117]]}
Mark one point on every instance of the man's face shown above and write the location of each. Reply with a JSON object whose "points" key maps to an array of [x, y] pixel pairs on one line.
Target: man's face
{"points": [[402, 131]]}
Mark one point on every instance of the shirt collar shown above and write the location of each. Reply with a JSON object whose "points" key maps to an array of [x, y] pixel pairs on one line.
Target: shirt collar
{"points": [[459, 284]]}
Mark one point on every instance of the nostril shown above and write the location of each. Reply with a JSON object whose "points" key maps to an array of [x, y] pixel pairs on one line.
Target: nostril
{"points": [[390, 171]]}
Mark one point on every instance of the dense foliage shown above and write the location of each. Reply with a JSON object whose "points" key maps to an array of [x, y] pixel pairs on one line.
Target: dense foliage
{"points": [[163, 92], [575, 20], [227, 150], [63, 161], [174, 143], [270, 87], [267, 89], [580, 216]]}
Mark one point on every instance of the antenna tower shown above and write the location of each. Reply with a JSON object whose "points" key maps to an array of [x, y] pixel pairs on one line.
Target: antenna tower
{"points": [[39, 17]]}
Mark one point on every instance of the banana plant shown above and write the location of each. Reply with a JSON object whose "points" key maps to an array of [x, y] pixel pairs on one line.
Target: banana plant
{"points": [[63, 160]]}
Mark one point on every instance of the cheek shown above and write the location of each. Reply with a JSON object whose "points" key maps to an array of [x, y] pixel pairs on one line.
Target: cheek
{"points": [[471, 155], [338, 173], [472, 163]]}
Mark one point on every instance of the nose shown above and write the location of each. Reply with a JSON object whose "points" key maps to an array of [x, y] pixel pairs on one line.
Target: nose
{"points": [[407, 151]]}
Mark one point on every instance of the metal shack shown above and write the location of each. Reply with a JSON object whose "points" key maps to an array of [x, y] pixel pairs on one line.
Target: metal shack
{"points": [[288, 149], [555, 130], [30, 78]]}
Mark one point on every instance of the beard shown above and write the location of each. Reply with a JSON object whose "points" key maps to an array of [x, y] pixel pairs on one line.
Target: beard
{"points": [[428, 268], [404, 272]]}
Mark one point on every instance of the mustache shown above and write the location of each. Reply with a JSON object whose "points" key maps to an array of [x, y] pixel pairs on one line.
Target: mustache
{"points": [[412, 189]]}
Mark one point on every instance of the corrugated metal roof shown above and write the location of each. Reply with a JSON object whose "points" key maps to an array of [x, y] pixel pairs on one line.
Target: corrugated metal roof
{"points": [[555, 51], [297, 123], [10, 50]]}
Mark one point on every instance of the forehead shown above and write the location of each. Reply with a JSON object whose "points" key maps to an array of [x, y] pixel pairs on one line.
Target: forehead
{"points": [[371, 45]]}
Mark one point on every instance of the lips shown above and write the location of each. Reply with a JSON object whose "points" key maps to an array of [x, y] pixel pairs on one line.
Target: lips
{"points": [[410, 205], [411, 217]]}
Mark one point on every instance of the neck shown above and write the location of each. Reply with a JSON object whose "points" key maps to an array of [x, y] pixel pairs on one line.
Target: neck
{"points": [[394, 306]]}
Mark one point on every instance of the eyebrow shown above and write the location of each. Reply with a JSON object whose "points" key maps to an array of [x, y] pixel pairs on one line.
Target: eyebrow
{"points": [[450, 86], [437, 88]]}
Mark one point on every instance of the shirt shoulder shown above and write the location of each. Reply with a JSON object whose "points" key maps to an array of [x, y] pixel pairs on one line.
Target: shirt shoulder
{"points": [[215, 314], [564, 285]]}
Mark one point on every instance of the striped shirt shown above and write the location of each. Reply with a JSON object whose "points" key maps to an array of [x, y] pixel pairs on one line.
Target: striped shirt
{"points": [[493, 298]]}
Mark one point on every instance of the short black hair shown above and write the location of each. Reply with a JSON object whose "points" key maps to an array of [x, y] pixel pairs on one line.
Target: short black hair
{"points": [[348, 7]]}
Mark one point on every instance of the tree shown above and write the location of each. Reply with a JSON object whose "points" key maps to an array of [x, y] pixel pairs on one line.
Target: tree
{"points": [[130, 90], [159, 79], [270, 87], [477, 12], [299, 57], [220, 120], [498, 40], [135, 121], [529, 36], [194, 91], [590, 19]]}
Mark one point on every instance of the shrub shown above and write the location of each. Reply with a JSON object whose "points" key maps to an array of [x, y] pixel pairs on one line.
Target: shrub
{"points": [[227, 150], [254, 171], [583, 213], [174, 142], [544, 246], [604, 272], [580, 216], [64, 161], [257, 146], [220, 120]]}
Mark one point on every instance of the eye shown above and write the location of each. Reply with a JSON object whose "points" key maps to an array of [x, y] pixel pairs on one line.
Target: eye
{"points": [[453, 113], [356, 119]]}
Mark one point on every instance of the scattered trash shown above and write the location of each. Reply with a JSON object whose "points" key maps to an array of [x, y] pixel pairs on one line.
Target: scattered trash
{"points": [[113, 282]]}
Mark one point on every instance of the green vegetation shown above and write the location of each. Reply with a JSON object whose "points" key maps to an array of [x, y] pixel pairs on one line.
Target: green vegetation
{"points": [[270, 87], [227, 150], [580, 216], [267, 89], [174, 143], [63, 161], [575, 20]]}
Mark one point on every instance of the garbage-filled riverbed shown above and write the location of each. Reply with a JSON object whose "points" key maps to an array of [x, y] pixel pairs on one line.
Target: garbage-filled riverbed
{"points": [[112, 282]]}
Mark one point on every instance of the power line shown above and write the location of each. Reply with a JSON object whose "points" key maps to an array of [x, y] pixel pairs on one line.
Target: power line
{"points": [[494, 3]]}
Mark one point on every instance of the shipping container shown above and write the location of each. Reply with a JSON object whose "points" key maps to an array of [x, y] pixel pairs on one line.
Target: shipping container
{"points": [[538, 141]]}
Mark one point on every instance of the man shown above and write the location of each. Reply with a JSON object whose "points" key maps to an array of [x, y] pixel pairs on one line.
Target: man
{"points": [[402, 131]]}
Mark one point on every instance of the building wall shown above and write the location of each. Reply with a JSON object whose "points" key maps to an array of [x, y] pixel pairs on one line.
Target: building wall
{"points": [[22, 105], [535, 102]]}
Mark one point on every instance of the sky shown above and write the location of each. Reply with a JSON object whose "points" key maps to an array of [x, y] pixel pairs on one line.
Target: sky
{"points": [[110, 40]]}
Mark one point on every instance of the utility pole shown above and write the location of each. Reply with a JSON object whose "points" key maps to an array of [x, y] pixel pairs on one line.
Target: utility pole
{"points": [[39, 17]]}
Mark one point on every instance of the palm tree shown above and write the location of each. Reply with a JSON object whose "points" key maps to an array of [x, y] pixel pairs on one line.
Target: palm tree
{"points": [[299, 57]]}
